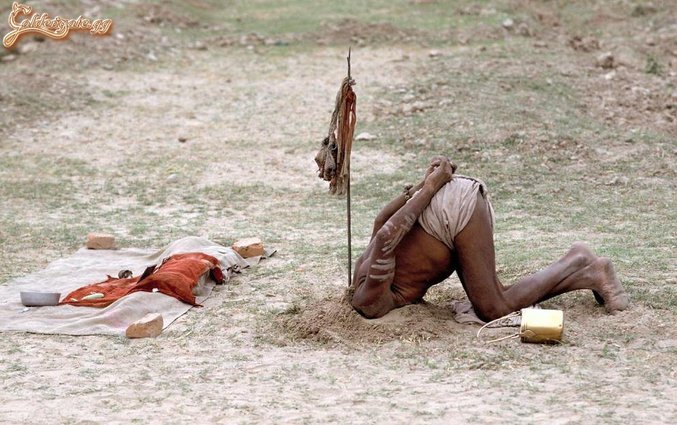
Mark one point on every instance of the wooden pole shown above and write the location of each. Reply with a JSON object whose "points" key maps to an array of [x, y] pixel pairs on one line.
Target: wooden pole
{"points": [[350, 253]]}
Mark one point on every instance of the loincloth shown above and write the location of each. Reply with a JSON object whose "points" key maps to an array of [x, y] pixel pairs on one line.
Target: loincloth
{"points": [[451, 207]]}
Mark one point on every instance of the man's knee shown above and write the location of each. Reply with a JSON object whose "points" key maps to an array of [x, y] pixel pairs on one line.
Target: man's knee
{"points": [[488, 310]]}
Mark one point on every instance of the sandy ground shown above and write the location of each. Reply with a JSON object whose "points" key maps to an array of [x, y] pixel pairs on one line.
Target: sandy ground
{"points": [[278, 344]]}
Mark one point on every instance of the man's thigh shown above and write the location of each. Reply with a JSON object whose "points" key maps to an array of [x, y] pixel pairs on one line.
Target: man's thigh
{"points": [[476, 261]]}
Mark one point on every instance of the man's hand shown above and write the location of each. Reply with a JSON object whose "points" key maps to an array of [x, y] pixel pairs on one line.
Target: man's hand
{"points": [[440, 169]]}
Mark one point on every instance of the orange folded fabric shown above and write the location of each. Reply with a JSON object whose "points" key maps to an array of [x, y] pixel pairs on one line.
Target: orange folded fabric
{"points": [[176, 277]]}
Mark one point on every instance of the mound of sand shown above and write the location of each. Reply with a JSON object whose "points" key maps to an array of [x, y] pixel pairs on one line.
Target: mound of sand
{"points": [[333, 320]]}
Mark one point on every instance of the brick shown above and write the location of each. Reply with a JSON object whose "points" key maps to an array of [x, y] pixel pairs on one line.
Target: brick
{"points": [[100, 241], [149, 325], [249, 247]]}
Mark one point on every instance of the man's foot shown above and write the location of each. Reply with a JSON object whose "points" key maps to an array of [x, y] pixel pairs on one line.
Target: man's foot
{"points": [[583, 250], [600, 273], [609, 291]]}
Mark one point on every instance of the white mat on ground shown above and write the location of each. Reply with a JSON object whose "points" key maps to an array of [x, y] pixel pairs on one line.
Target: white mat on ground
{"points": [[90, 266]]}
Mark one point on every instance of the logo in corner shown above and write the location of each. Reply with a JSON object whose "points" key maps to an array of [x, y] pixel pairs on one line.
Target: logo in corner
{"points": [[56, 28]]}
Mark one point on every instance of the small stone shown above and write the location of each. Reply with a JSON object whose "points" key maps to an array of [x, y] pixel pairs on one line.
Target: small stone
{"points": [[27, 48], [434, 53], [644, 9], [408, 97], [618, 180], [173, 178], [275, 42], [418, 106], [584, 44], [279, 307], [249, 247], [667, 343], [100, 241], [610, 75], [365, 136], [523, 29], [8, 58], [606, 60], [151, 56], [183, 139], [149, 325], [508, 23], [199, 46]]}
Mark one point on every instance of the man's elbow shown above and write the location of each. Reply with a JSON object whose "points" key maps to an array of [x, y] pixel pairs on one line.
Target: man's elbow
{"points": [[378, 225]]}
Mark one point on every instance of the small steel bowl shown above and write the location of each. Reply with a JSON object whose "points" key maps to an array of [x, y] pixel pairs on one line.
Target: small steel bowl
{"points": [[34, 299]]}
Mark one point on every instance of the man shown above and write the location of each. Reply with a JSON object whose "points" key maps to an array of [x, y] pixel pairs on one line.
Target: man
{"points": [[445, 224]]}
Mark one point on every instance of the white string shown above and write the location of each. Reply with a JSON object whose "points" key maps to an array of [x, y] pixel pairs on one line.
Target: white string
{"points": [[502, 338], [513, 314]]}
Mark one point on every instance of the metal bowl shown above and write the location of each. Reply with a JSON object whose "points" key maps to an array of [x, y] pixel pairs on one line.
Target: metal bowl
{"points": [[33, 299]]}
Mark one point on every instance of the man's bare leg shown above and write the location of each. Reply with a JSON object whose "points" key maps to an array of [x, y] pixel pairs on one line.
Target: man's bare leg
{"points": [[578, 269]]}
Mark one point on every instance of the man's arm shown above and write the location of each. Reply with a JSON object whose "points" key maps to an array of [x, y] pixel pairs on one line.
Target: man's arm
{"points": [[373, 296], [393, 206]]}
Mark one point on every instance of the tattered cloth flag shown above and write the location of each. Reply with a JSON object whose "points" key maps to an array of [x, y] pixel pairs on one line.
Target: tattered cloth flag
{"points": [[333, 159]]}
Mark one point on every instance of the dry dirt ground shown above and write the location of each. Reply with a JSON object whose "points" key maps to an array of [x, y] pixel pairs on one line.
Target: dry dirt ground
{"points": [[573, 147]]}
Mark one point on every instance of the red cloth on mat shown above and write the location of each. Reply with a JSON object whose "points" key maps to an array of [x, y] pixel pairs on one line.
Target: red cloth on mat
{"points": [[176, 277]]}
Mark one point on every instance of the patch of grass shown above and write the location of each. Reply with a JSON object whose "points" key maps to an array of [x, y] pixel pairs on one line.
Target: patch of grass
{"points": [[653, 66], [297, 16], [17, 368], [293, 26]]}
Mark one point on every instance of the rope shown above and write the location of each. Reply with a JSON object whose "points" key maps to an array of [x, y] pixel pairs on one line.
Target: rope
{"points": [[507, 316]]}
